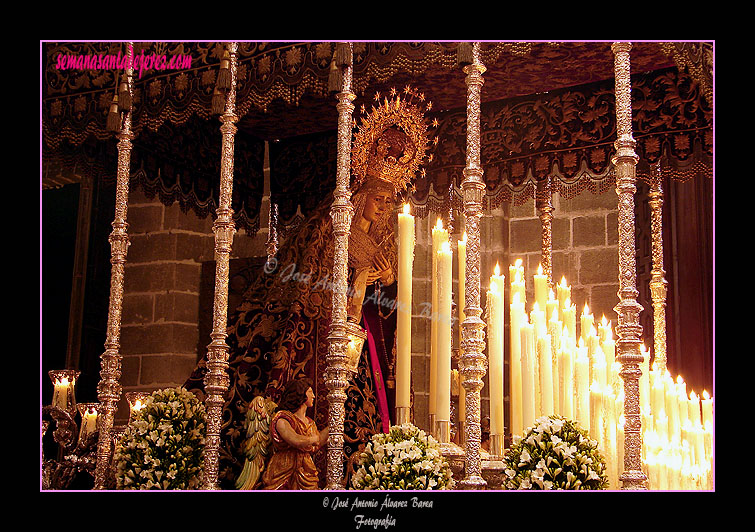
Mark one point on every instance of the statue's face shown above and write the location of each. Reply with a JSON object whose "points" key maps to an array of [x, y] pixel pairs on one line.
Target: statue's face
{"points": [[310, 398], [376, 205]]}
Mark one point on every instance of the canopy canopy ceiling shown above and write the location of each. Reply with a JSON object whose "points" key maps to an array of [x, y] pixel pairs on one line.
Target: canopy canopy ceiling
{"points": [[283, 85], [283, 95]]}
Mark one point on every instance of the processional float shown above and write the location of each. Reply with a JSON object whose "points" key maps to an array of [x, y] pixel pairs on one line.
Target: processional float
{"points": [[472, 362]]}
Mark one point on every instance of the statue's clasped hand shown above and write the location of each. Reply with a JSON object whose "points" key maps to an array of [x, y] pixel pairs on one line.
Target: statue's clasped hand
{"points": [[381, 270]]}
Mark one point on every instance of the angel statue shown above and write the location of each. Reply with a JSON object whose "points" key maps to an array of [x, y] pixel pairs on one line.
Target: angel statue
{"points": [[279, 333]]}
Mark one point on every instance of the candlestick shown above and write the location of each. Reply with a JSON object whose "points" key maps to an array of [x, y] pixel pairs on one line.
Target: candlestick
{"points": [[517, 316], [528, 375], [462, 297], [495, 360], [88, 413], [563, 293], [586, 321], [581, 379], [570, 318], [707, 409], [566, 375], [551, 306], [681, 399], [443, 377], [406, 238], [64, 389], [439, 235], [545, 356], [541, 287]]}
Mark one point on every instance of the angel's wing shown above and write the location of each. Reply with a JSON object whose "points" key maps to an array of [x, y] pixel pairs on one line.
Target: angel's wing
{"points": [[258, 444]]}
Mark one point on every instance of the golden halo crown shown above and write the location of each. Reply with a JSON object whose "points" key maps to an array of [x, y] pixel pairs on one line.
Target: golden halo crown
{"points": [[392, 141]]}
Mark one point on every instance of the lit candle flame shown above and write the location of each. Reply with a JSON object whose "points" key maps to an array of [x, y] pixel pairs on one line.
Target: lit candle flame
{"points": [[497, 270], [586, 311], [540, 269], [464, 237], [563, 282], [551, 295], [706, 395], [518, 263], [439, 224], [445, 247]]}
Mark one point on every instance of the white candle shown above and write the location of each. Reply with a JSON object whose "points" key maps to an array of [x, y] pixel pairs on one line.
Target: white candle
{"points": [[443, 378], [554, 330], [439, 235], [681, 399], [60, 393], [672, 408], [551, 306], [570, 318], [693, 409], [645, 383], [581, 379], [563, 293], [406, 238], [515, 371], [495, 357], [541, 287], [707, 408], [546, 375], [462, 261], [516, 275], [567, 375], [586, 321], [528, 377]]}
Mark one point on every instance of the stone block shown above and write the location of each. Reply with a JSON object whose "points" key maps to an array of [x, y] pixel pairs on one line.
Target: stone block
{"points": [[526, 235], [151, 247], [560, 233], [176, 307], [159, 338], [598, 266], [145, 218], [137, 309], [194, 246], [166, 370], [589, 231]]}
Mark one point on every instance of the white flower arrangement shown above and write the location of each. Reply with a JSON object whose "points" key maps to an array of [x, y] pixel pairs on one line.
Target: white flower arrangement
{"points": [[163, 444], [404, 459], [555, 454]]}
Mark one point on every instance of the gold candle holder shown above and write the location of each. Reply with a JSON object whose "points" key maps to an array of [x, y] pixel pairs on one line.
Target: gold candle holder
{"points": [[357, 335], [135, 402], [88, 413], [64, 394]]}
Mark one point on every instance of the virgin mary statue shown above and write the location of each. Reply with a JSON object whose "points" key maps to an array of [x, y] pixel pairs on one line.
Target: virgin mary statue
{"points": [[279, 332]]}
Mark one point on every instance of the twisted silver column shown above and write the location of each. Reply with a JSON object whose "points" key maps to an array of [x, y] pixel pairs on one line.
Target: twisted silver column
{"points": [[216, 379], [628, 329]]}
